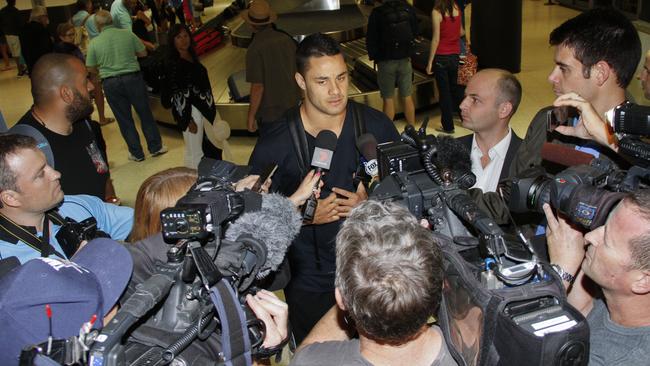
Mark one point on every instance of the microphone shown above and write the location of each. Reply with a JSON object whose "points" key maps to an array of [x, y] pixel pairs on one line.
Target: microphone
{"points": [[275, 225], [463, 206], [455, 157], [322, 158], [367, 146], [565, 156]]}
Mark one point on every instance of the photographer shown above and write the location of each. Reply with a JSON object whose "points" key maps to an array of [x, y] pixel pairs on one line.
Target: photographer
{"points": [[607, 276], [33, 207], [388, 284], [596, 55]]}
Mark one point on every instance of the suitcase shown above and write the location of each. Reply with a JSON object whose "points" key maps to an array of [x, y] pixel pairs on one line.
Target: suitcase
{"points": [[206, 39], [238, 87], [420, 55]]}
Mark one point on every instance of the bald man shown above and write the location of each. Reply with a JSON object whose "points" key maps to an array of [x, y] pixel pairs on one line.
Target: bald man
{"points": [[491, 99], [645, 76], [61, 111]]}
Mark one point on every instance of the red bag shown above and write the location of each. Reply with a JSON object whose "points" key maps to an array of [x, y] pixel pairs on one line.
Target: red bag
{"points": [[206, 39], [467, 67]]}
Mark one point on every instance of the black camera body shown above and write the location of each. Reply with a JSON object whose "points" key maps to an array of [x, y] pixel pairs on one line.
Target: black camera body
{"points": [[73, 233]]}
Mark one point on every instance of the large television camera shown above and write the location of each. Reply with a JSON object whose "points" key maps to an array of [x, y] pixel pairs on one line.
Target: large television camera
{"points": [[501, 304], [192, 310]]}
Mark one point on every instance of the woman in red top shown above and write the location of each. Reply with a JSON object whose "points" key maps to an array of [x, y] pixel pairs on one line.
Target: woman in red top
{"points": [[443, 58]]}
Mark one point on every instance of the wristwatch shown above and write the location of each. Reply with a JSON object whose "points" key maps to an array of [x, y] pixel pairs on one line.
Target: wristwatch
{"points": [[564, 275]]}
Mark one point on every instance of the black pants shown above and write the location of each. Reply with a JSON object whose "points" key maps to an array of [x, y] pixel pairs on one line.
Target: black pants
{"points": [[305, 309], [445, 70]]}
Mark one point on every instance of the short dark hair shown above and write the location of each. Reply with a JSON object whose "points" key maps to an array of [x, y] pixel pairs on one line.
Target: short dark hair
{"points": [[509, 90], [10, 144], [388, 271], [640, 245], [315, 45], [50, 72], [601, 35]]}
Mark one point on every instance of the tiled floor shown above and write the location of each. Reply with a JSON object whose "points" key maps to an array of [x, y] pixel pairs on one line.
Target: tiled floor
{"points": [[537, 61]]}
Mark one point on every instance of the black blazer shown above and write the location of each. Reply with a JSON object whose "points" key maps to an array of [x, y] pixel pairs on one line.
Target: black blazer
{"points": [[515, 141]]}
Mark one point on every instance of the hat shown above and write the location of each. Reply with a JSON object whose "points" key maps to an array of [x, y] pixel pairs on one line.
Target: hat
{"points": [[259, 13], [41, 141], [89, 284], [218, 133]]}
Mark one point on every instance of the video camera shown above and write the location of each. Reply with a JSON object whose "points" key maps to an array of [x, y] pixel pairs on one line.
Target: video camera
{"points": [[501, 304], [192, 310]]}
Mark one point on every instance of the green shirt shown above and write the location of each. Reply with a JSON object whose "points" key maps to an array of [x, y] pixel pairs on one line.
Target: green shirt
{"points": [[114, 52]]}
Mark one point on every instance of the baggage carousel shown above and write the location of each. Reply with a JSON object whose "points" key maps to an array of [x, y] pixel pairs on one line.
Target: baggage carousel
{"points": [[344, 20]]}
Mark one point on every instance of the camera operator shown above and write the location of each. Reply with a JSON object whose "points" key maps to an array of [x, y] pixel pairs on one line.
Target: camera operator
{"points": [[33, 207], [169, 186], [596, 55], [388, 284], [607, 276]]}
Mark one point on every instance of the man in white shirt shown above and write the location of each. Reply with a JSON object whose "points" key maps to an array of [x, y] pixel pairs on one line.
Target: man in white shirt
{"points": [[491, 99]]}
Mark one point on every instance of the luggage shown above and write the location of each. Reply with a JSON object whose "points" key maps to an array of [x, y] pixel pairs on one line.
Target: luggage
{"points": [[206, 39], [238, 87]]}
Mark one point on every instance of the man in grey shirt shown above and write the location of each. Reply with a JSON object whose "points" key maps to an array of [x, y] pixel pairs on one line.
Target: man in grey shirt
{"points": [[388, 283], [607, 276]]}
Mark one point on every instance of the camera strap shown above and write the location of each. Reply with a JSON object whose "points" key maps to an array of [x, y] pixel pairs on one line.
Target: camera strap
{"points": [[235, 341], [40, 244]]}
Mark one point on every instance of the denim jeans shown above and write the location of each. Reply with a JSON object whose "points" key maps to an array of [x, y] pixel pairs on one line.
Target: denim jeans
{"points": [[125, 91], [445, 70]]}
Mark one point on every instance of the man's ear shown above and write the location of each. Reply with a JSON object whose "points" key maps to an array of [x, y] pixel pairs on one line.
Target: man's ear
{"points": [[9, 198], [301, 81], [66, 93], [505, 109], [641, 283], [601, 72], [339, 299]]}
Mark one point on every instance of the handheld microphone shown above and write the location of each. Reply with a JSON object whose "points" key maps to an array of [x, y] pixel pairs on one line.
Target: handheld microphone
{"points": [[461, 204], [322, 158], [367, 146]]}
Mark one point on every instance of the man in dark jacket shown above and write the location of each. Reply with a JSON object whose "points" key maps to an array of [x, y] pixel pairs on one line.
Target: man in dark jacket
{"points": [[35, 39], [491, 99]]}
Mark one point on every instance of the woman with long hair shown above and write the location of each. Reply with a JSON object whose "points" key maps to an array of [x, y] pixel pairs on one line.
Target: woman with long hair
{"points": [[187, 91], [443, 58]]}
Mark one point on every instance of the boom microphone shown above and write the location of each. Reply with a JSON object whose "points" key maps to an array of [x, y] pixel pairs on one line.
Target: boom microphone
{"points": [[454, 156], [322, 158], [275, 225]]}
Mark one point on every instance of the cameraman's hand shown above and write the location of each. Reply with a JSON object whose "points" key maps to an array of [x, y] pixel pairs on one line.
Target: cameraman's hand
{"points": [[591, 126], [306, 188], [326, 211], [274, 313], [566, 245], [349, 199]]}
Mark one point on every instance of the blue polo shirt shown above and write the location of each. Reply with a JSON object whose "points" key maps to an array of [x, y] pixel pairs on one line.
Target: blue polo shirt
{"points": [[116, 221]]}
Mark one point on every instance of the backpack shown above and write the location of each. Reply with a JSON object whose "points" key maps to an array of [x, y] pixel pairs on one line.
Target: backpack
{"points": [[397, 39]]}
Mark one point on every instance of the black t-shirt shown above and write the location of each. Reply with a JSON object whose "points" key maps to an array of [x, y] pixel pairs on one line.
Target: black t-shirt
{"points": [[277, 147], [79, 157]]}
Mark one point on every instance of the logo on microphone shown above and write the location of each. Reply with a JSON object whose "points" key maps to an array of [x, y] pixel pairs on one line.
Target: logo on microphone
{"points": [[322, 158], [371, 167]]}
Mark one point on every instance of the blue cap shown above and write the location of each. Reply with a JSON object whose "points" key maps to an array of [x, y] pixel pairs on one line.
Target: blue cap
{"points": [[88, 284]]}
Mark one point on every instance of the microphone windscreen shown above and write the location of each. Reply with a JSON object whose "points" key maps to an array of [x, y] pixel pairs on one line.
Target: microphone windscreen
{"points": [[564, 155], [367, 146], [276, 224], [454, 155]]}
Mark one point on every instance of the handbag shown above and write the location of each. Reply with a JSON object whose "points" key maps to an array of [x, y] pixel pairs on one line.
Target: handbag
{"points": [[467, 67]]}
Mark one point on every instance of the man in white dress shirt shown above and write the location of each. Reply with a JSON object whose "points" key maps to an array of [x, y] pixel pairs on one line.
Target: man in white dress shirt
{"points": [[491, 99]]}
